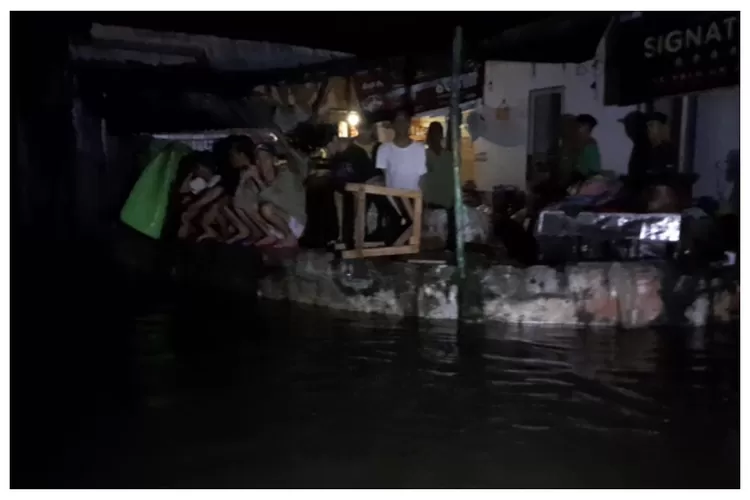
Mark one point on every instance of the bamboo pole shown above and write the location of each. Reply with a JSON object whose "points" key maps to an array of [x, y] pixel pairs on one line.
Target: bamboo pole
{"points": [[455, 127]]}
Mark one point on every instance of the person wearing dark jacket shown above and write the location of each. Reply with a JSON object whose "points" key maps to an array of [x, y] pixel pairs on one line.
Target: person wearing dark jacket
{"points": [[356, 164], [664, 157], [636, 130], [661, 177]]}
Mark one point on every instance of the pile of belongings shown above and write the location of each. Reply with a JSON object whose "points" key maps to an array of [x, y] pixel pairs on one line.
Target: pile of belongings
{"points": [[598, 194]]}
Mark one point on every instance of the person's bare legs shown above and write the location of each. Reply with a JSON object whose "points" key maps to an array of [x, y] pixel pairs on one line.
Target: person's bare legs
{"points": [[243, 231], [194, 210], [207, 224], [280, 222], [253, 220]]}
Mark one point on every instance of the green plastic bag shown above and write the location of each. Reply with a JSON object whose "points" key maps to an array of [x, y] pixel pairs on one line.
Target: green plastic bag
{"points": [[146, 208]]}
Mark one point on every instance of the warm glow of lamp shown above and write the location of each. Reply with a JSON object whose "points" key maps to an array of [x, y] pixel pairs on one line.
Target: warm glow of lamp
{"points": [[343, 129], [353, 118]]}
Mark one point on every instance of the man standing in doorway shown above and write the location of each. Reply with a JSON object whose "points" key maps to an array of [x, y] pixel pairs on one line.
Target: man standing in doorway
{"points": [[404, 163]]}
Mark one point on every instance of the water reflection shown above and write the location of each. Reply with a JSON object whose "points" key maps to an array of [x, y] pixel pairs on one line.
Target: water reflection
{"points": [[278, 396]]}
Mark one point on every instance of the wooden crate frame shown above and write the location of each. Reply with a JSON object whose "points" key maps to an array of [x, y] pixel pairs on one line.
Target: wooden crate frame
{"points": [[407, 243]]}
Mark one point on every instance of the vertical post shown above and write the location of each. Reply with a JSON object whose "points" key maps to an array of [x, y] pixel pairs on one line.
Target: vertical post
{"points": [[360, 220], [416, 222], [455, 125], [687, 134]]}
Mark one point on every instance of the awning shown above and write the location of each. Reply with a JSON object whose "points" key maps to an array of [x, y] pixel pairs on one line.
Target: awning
{"points": [[660, 54], [552, 37], [366, 34], [146, 98], [562, 38], [402, 59]]}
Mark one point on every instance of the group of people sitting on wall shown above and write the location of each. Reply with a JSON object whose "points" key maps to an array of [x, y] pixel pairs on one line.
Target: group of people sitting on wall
{"points": [[239, 193], [243, 193]]}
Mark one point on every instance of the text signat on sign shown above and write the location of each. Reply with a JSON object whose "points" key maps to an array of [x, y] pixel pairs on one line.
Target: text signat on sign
{"points": [[663, 54]]}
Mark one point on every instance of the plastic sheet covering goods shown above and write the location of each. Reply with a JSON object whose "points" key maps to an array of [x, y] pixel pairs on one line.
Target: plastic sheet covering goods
{"points": [[146, 207]]}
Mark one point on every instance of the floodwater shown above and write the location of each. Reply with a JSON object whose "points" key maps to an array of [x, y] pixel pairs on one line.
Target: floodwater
{"points": [[220, 393]]}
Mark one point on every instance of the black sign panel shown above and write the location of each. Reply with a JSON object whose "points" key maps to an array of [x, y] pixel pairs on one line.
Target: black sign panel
{"points": [[383, 89], [661, 54], [429, 93]]}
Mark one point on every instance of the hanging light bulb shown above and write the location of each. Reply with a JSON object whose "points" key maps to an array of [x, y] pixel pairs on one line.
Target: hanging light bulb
{"points": [[353, 118]]}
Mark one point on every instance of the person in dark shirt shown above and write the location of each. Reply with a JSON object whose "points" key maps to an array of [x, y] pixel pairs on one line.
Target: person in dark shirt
{"points": [[356, 164], [636, 130], [660, 181], [663, 157], [322, 223]]}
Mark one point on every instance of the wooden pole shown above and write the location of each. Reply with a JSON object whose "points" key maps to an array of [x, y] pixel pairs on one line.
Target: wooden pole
{"points": [[455, 124]]}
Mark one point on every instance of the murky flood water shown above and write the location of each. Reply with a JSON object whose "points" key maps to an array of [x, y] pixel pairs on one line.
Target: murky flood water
{"points": [[213, 395]]}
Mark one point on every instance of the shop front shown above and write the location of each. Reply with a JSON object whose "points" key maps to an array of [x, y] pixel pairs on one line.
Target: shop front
{"points": [[687, 66]]}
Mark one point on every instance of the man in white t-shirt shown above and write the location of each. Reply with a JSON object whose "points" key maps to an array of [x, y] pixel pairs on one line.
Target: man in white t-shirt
{"points": [[403, 160], [404, 163]]}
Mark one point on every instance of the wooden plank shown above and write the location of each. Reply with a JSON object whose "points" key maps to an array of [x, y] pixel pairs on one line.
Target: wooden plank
{"points": [[360, 223], [407, 207], [379, 252], [368, 244], [412, 234], [393, 204], [404, 236], [382, 190], [416, 236], [427, 261]]}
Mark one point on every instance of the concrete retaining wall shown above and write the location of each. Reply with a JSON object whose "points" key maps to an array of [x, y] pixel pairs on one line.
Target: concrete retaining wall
{"points": [[628, 295]]}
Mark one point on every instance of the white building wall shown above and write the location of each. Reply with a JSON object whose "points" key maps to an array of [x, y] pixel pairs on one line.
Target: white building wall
{"points": [[509, 83], [717, 132]]}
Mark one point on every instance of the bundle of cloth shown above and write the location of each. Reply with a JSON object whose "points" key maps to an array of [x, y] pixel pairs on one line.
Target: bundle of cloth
{"points": [[596, 194]]}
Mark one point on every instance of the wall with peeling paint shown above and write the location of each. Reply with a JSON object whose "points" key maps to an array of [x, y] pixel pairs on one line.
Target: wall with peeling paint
{"points": [[609, 294]]}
